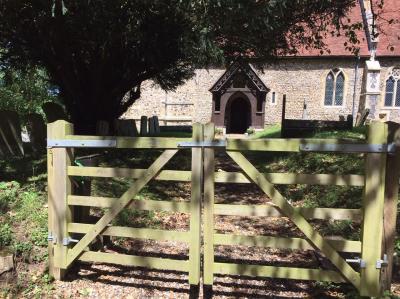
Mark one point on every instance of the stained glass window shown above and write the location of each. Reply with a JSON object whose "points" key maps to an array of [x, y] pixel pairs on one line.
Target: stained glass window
{"points": [[389, 92], [329, 89], [339, 90]]}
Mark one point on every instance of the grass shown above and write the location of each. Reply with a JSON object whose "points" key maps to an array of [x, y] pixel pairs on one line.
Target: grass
{"points": [[272, 131]]}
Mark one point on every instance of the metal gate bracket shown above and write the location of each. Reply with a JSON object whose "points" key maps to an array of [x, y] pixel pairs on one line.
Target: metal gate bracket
{"points": [[382, 263], [81, 143], [67, 241], [52, 238], [359, 261], [348, 148], [202, 144]]}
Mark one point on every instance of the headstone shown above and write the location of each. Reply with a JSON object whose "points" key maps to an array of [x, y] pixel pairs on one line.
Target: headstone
{"points": [[102, 128], [126, 127], [156, 125], [53, 112], [10, 132], [151, 126], [6, 260], [37, 131], [143, 126]]}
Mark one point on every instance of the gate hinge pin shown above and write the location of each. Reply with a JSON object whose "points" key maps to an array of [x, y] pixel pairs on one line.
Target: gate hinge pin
{"points": [[359, 261], [67, 241], [382, 263], [52, 238]]}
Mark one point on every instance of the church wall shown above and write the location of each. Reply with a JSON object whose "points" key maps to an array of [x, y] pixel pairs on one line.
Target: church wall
{"points": [[301, 79]]}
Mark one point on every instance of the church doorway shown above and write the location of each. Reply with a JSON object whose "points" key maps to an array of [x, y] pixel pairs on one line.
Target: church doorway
{"points": [[238, 115]]}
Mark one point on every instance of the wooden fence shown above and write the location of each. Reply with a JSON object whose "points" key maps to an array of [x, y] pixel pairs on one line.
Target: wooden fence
{"points": [[378, 213]]}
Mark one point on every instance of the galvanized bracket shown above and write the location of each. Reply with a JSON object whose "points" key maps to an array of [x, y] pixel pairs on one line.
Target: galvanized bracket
{"points": [[202, 144], [67, 241], [81, 143], [359, 261], [52, 238], [348, 148], [382, 263]]}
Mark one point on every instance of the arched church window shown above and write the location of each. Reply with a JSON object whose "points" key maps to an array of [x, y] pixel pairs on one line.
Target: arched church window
{"points": [[334, 88], [392, 91]]}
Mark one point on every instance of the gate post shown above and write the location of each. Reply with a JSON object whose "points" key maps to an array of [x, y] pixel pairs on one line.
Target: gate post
{"points": [[59, 187], [390, 208], [373, 200], [209, 170], [195, 208]]}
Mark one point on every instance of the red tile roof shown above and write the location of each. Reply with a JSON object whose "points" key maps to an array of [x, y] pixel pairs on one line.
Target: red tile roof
{"points": [[389, 42]]}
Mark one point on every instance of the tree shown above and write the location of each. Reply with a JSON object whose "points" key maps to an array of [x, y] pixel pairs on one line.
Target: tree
{"points": [[98, 51], [25, 91]]}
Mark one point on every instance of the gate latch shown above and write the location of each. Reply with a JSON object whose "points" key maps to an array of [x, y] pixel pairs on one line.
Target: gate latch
{"points": [[67, 241], [382, 263], [359, 261]]}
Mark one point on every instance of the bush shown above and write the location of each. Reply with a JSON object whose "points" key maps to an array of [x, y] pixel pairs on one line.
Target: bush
{"points": [[5, 235], [8, 194]]}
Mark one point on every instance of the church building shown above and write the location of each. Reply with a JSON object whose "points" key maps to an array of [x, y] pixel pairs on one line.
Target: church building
{"points": [[327, 86]]}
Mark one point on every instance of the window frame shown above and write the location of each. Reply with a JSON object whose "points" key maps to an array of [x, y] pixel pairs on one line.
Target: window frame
{"points": [[396, 89], [335, 73]]}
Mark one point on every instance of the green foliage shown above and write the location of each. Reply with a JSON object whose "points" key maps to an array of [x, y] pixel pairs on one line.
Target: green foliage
{"points": [[8, 194], [24, 91], [5, 235], [273, 131]]}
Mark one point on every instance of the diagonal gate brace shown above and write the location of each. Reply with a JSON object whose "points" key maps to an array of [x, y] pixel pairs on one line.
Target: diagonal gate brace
{"points": [[297, 218], [119, 205]]}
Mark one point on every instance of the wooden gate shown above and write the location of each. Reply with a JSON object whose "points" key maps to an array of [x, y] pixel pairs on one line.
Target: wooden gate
{"points": [[369, 273], [64, 250], [363, 272]]}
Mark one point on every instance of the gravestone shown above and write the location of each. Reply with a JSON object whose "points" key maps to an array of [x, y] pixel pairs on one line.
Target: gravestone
{"points": [[10, 132], [143, 126], [151, 126], [37, 131], [126, 127], [156, 125], [53, 112], [102, 128]]}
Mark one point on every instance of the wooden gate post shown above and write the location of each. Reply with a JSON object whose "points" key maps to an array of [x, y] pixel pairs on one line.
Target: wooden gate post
{"points": [[373, 200], [195, 208], [209, 170], [390, 208], [59, 187]]}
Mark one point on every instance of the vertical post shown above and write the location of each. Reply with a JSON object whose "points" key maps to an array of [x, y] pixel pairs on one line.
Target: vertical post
{"points": [[283, 133], [59, 187], [390, 208], [209, 170], [373, 199], [195, 208]]}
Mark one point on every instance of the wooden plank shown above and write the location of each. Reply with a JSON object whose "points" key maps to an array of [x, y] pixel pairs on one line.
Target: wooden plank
{"points": [[280, 145], [297, 218], [374, 196], [110, 172], [208, 198], [279, 242], [390, 206], [149, 205], [120, 204], [270, 210], [59, 187], [130, 232], [136, 142], [135, 261], [195, 207], [294, 178], [278, 272]]}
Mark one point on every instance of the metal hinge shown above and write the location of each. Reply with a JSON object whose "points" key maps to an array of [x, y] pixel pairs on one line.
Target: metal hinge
{"points": [[202, 144], [67, 241], [52, 238], [359, 261], [382, 263]]}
